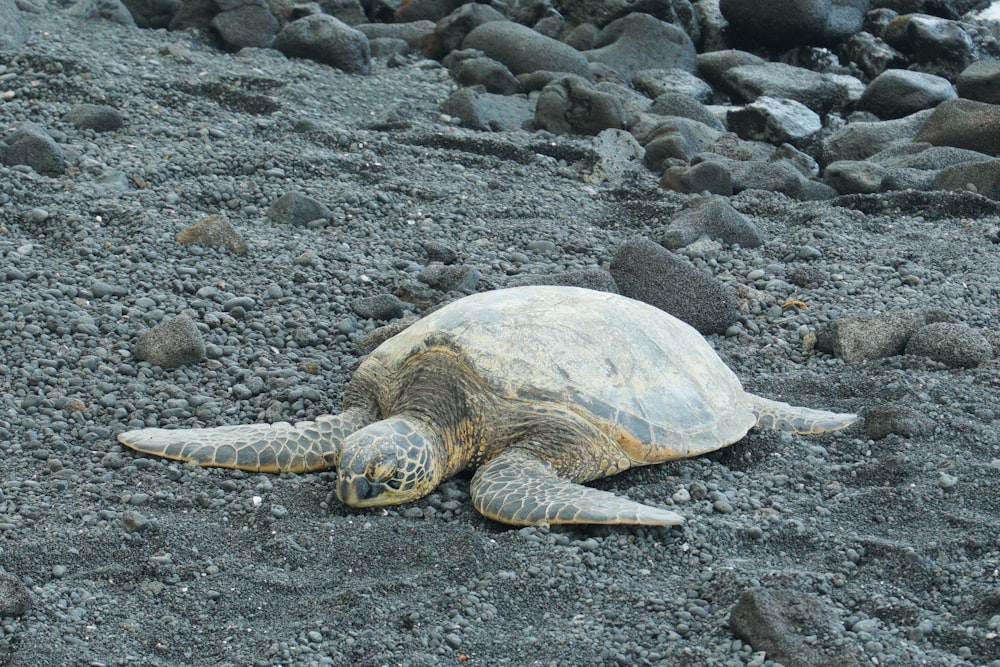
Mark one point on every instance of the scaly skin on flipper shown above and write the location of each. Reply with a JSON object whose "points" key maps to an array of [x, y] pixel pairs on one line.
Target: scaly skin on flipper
{"points": [[517, 488], [281, 447], [795, 419]]}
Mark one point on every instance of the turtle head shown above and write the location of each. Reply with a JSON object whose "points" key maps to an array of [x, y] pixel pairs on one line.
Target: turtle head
{"points": [[389, 462]]}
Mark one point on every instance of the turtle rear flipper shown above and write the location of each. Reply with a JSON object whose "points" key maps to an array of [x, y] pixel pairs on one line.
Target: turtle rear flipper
{"points": [[281, 447], [517, 488], [794, 419]]}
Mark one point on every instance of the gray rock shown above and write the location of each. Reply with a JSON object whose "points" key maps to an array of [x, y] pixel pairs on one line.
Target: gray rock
{"points": [[896, 93], [571, 106], [488, 112], [152, 13], [931, 39], [775, 121], [779, 176], [891, 418], [649, 272], [423, 10], [297, 208], [925, 156], [951, 343], [245, 23], [712, 217], [870, 336], [713, 66], [523, 50], [906, 178], [326, 40], [871, 54], [96, 117], [15, 600], [788, 23], [674, 137], [795, 628], [349, 11], [13, 31], [980, 81], [675, 82], [414, 34], [639, 42], [449, 33], [439, 252], [707, 176], [383, 307], [174, 343], [964, 124], [212, 231], [861, 140], [449, 278], [619, 157], [492, 75], [820, 92], [854, 176], [981, 177], [107, 10], [678, 104], [31, 145]]}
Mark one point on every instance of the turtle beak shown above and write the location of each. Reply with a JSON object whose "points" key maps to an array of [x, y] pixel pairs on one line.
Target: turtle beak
{"points": [[354, 489]]}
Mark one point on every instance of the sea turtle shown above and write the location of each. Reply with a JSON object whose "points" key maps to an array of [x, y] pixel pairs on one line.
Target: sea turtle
{"points": [[536, 388]]}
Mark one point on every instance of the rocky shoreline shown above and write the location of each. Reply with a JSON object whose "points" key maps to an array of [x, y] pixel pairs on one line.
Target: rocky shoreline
{"points": [[209, 209]]}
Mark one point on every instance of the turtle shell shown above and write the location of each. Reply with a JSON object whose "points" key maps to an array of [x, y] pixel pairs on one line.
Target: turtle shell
{"points": [[624, 361]]}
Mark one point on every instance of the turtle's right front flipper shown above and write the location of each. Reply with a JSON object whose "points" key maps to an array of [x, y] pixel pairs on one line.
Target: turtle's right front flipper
{"points": [[280, 447], [517, 488]]}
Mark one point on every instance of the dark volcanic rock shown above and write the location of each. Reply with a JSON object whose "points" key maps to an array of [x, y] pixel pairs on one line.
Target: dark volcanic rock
{"points": [[31, 145], [243, 23], [638, 42], [326, 40], [980, 81], [649, 272], [965, 124], [951, 343], [571, 106], [524, 50], [712, 217], [175, 343], [896, 93], [787, 23]]}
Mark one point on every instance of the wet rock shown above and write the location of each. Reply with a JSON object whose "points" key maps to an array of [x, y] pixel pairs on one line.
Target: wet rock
{"points": [[964, 124], [897, 93], [571, 106], [524, 50], [788, 23], [872, 55], [31, 145], [449, 33], [820, 92], [639, 42], [678, 104], [326, 40], [245, 23], [649, 272], [297, 208], [675, 82], [930, 39], [951, 343], [96, 117], [786, 623], [776, 121], [980, 81], [712, 217], [174, 343], [891, 418], [708, 176], [981, 177], [853, 177], [870, 336], [713, 66], [214, 230]]}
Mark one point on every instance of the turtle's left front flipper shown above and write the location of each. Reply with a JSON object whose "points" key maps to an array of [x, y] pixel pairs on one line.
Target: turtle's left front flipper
{"points": [[280, 447], [518, 488]]}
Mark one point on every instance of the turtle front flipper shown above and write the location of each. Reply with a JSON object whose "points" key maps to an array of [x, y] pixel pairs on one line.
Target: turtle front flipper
{"points": [[281, 447], [518, 488]]}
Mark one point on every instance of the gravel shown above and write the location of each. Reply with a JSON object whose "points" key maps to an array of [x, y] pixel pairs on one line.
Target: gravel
{"points": [[110, 558]]}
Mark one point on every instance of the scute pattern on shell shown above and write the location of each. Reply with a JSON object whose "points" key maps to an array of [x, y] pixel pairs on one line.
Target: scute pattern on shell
{"points": [[622, 360]]}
